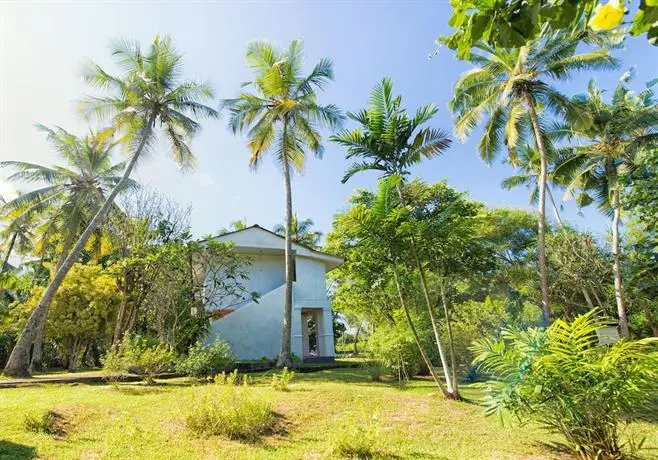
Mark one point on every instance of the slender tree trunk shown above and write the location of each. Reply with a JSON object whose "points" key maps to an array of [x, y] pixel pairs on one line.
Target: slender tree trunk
{"points": [[588, 299], [453, 392], [356, 340], [424, 356], [616, 269], [285, 358], [650, 319], [9, 251], [36, 364], [543, 269], [556, 213], [19, 360], [451, 343]]}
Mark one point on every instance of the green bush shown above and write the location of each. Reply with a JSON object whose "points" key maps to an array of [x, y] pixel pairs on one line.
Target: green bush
{"points": [[139, 355], [358, 439], [376, 370], [232, 378], [281, 381], [48, 422], [205, 361], [566, 381], [230, 412], [394, 347]]}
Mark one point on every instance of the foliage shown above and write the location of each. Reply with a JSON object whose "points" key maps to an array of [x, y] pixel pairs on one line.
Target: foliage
{"points": [[512, 24], [358, 438], [48, 422], [139, 355], [567, 382], [204, 361], [376, 370], [232, 378], [281, 382], [230, 412], [302, 232], [394, 348]]}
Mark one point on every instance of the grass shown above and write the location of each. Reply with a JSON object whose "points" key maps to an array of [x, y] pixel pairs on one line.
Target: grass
{"points": [[141, 422]]}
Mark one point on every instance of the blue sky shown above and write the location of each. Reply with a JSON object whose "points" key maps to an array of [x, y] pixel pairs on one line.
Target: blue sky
{"points": [[43, 44]]}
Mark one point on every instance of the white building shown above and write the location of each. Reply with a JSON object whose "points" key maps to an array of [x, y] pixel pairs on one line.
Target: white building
{"points": [[254, 328]]}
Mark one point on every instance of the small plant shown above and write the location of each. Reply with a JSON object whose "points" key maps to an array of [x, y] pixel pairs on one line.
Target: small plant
{"points": [[358, 439], [204, 361], [247, 380], [138, 355], [48, 422], [281, 381], [231, 413], [376, 370], [566, 381], [232, 378]]}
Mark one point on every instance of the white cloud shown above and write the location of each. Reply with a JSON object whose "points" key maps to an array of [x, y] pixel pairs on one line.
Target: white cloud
{"points": [[7, 191]]}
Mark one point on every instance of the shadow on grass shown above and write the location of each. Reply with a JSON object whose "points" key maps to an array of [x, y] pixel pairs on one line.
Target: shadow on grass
{"points": [[13, 451]]}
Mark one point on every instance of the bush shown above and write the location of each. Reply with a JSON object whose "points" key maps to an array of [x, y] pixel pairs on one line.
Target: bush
{"points": [[375, 370], [138, 355], [394, 347], [358, 439], [232, 413], [205, 361], [48, 422], [232, 378], [564, 380], [281, 382]]}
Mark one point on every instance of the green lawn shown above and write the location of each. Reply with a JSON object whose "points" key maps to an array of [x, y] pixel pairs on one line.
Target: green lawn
{"points": [[137, 421]]}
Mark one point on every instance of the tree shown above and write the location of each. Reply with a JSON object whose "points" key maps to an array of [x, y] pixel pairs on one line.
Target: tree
{"points": [[234, 226], [17, 235], [282, 114], [148, 95], [508, 87], [611, 138], [302, 232], [512, 24], [391, 141]]}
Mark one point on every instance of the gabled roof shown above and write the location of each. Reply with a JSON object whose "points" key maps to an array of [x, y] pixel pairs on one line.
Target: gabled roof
{"points": [[258, 239]]}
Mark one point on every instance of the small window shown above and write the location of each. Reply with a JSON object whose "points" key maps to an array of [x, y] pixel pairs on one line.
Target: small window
{"points": [[294, 268]]}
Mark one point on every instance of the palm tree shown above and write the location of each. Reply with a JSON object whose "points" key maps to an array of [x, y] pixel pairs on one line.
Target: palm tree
{"points": [[302, 232], [508, 87], [17, 235], [147, 96], [608, 148], [390, 141], [71, 196], [234, 226], [282, 113]]}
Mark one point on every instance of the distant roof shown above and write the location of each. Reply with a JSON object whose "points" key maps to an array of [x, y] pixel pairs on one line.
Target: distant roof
{"points": [[330, 261]]}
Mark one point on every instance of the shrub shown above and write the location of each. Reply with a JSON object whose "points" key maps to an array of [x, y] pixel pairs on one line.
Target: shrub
{"points": [[232, 413], [48, 422], [205, 361], [358, 439], [281, 381], [138, 355], [394, 347], [375, 370], [232, 378], [564, 380]]}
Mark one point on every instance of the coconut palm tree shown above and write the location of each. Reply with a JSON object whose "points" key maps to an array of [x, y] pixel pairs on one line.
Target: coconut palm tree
{"points": [[509, 87], [16, 236], [147, 98], [282, 114], [390, 141], [607, 147], [302, 232]]}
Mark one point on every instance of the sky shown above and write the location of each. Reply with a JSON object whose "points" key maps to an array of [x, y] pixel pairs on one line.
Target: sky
{"points": [[43, 44]]}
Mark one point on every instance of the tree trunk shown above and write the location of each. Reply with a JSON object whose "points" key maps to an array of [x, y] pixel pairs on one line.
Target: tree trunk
{"points": [[451, 343], [356, 340], [9, 251], [36, 364], [285, 358], [556, 213], [616, 269], [649, 316], [19, 360], [541, 227], [588, 299], [424, 356]]}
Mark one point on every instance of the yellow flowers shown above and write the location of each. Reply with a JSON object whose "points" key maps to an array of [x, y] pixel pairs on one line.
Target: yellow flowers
{"points": [[607, 16]]}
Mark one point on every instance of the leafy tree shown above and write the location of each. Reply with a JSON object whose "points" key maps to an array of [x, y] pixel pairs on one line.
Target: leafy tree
{"points": [[610, 140], [508, 87], [513, 24], [561, 378], [302, 232], [282, 114], [148, 95], [17, 235]]}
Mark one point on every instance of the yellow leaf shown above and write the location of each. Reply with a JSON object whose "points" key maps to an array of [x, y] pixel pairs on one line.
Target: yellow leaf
{"points": [[607, 16]]}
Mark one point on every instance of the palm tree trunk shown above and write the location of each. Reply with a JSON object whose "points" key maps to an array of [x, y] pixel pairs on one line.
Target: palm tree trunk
{"points": [[285, 358], [9, 251], [543, 269], [453, 392], [19, 360], [616, 269], [424, 356], [451, 343], [36, 364]]}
